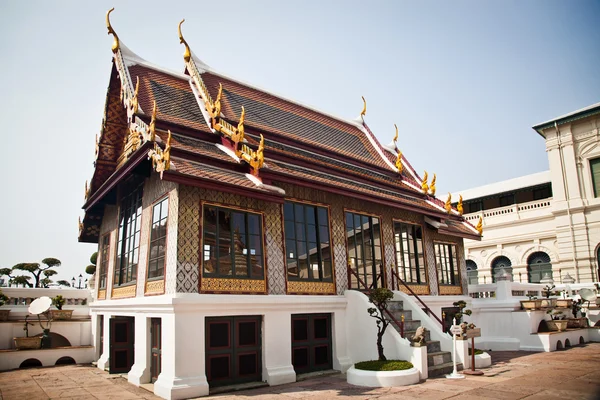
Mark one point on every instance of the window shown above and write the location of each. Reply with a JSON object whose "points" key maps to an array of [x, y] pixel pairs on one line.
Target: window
{"points": [[475, 206], [364, 250], [595, 168], [130, 217], [158, 239], [307, 242], [507, 200], [472, 275], [447, 264], [538, 266], [499, 263], [542, 193], [232, 243], [408, 242], [104, 254]]}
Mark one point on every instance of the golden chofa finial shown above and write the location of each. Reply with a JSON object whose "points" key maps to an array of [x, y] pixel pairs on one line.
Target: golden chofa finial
{"points": [[111, 31], [216, 112], [240, 127], [424, 185], [459, 206], [448, 205], [80, 225], [432, 186], [187, 54], [396, 136], [399, 162], [86, 192], [152, 127], [364, 110], [479, 226], [134, 101]]}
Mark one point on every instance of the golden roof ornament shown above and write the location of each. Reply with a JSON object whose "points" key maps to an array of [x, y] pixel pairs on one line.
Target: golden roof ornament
{"points": [[111, 31], [134, 100], [187, 54], [459, 206], [216, 112], [86, 190], [448, 205], [240, 127], [479, 226], [161, 159], [432, 186], [396, 136], [399, 162], [424, 186], [364, 110], [152, 127], [80, 224]]}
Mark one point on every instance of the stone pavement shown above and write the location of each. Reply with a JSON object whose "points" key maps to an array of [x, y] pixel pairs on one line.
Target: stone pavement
{"points": [[570, 374]]}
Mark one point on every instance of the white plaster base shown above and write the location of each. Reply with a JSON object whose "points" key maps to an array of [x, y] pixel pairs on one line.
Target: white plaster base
{"points": [[482, 360], [178, 388], [361, 377], [280, 375]]}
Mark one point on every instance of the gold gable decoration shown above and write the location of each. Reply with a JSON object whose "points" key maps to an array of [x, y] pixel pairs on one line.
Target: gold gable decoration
{"points": [[424, 186], [448, 205], [115, 46], [364, 110], [395, 136], [479, 226], [432, 186], [459, 206], [399, 162], [161, 159], [213, 107]]}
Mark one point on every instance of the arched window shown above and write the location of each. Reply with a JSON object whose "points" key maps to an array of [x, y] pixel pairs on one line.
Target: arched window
{"points": [[538, 265], [472, 272], [501, 262]]}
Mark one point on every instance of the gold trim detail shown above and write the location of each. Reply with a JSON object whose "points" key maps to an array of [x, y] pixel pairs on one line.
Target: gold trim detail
{"points": [[233, 285], [418, 289], [399, 162], [396, 136], [364, 110], [448, 204], [111, 31], [432, 186], [479, 226], [123, 292], [155, 287], [450, 289], [459, 206], [101, 294], [424, 186], [161, 159], [311, 287], [187, 54]]}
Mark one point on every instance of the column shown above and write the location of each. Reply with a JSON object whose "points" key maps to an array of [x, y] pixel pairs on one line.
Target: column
{"points": [[103, 361], [277, 348], [140, 370]]}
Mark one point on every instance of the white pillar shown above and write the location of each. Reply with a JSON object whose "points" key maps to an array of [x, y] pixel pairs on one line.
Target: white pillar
{"points": [[341, 359], [103, 361], [140, 370], [183, 372], [419, 361], [277, 349], [462, 353]]}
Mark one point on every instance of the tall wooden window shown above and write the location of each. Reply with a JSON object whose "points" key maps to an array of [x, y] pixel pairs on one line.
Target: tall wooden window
{"points": [[364, 250], [232, 246], [408, 241], [446, 259], [595, 168], [130, 218], [158, 239], [104, 254], [307, 242]]}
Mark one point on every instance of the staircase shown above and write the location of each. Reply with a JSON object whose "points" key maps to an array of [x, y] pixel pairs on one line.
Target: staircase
{"points": [[438, 362]]}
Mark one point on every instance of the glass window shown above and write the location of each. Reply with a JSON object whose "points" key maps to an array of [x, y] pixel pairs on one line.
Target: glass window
{"points": [[104, 254], [475, 206], [595, 168], [542, 193], [447, 264], [538, 266], [130, 216], [501, 263], [232, 243], [507, 200], [408, 241], [364, 250], [158, 239], [307, 242], [472, 275]]}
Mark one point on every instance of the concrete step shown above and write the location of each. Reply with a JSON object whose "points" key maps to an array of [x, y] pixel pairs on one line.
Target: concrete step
{"points": [[399, 313], [395, 305], [409, 325], [439, 357], [433, 346], [442, 369]]}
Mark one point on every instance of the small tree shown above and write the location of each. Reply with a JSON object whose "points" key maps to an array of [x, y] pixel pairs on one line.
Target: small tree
{"points": [[36, 270], [91, 269], [380, 297], [62, 282]]}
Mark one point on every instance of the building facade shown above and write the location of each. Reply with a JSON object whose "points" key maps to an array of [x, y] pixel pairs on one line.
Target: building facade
{"points": [[231, 222], [545, 224]]}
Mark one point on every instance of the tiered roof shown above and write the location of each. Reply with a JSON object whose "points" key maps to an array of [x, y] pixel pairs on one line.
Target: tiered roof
{"points": [[205, 129]]}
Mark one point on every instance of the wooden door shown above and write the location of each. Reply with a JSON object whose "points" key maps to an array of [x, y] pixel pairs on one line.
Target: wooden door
{"points": [[122, 341], [311, 342]]}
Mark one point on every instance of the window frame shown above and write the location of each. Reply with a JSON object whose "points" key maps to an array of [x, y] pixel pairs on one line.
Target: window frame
{"points": [[104, 255], [318, 224], [595, 185], [383, 277], [161, 200], [509, 200], [453, 256], [412, 257], [260, 235], [121, 272]]}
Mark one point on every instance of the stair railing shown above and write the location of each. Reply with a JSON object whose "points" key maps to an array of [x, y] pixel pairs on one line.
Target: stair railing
{"points": [[368, 290], [396, 285]]}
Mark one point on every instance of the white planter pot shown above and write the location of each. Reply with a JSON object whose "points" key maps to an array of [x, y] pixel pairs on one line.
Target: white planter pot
{"points": [[482, 360], [361, 377]]}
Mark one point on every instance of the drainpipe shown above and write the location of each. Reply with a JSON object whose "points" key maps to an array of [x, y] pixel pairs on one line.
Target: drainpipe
{"points": [[566, 187]]}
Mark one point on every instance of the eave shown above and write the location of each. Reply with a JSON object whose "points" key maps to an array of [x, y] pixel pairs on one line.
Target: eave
{"points": [[577, 115]]}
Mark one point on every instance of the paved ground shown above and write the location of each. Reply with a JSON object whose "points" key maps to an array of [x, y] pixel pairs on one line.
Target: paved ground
{"points": [[570, 374]]}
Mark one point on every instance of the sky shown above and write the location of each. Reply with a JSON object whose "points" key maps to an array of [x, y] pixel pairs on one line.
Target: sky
{"points": [[464, 81]]}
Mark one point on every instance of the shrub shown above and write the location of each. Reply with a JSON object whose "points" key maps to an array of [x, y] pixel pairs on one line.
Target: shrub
{"points": [[477, 351], [58, 302], [388, 365]]}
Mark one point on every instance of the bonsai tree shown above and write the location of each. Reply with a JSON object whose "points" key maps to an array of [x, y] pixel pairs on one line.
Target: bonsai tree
{"points": [[91, 269], [380, 297], [576, 308], [58, 302], [547, 291], [36, 270], [555, 315], [62, 282]]}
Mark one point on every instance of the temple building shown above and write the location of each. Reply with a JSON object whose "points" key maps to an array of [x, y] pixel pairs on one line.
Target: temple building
{"points": [[543, 226], [232, 223]]}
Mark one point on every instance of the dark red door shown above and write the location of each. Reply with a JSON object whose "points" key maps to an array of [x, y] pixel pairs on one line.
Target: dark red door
{"points": [[156, 345], [121, 344]]}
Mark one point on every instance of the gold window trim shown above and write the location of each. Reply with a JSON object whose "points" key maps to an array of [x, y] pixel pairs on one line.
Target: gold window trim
{"points": [[417, 289], [150, 287], [233, 285], [303, 287], [123, 292], [445, 290], [155, 287], [101, 294], [413, 286]]}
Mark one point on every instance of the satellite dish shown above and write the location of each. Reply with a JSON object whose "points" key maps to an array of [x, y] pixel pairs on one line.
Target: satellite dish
{"points": [[40, 305], [587, 295]]}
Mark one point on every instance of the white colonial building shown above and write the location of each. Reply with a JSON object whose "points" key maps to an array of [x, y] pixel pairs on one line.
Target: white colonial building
{"points": [[548, 222]]}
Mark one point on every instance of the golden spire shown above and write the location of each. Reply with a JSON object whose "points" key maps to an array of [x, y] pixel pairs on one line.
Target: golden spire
{"points": [[459, 206], [396, 136], [134, 101], [187, 54], [432, 186], [240, 127], [448, 205], [364, 110], [167, 152], [399, 162], [260, 152], [424, 185], [111, 31], [217, 109], [479, 226], [153, 124], [86, 190], [79, 224]]}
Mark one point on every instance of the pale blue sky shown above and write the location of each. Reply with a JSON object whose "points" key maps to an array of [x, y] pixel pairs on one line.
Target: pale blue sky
{"points": [[464, 81]]}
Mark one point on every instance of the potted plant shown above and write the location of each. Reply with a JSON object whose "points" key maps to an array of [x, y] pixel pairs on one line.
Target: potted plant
{"points": [[4, 311], [28, 343], [532, 304], [564, 302], [556, 323], [461, 304], [575, 322], [547, 292], [59, 313]]}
